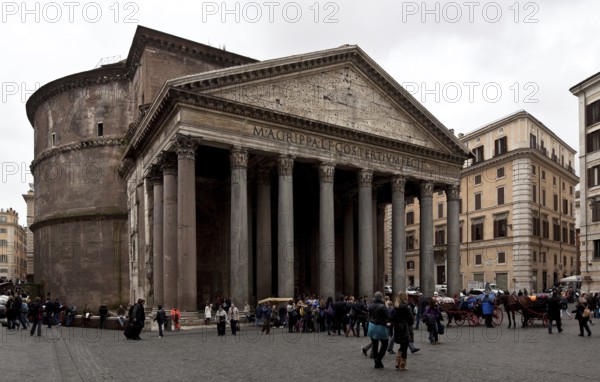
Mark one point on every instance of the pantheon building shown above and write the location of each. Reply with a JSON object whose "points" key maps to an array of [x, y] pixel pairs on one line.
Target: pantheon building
{"points": [[185, 173]]}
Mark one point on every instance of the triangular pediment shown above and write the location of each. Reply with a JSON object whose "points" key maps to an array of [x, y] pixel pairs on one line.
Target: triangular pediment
{"points": [[342, 87], [339, 96]]}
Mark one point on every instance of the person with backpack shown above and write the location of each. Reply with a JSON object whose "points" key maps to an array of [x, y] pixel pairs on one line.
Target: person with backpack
{"points": [[37, 310], [431, 315]]}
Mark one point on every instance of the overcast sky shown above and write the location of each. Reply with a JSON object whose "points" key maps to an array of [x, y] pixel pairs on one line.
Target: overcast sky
{"points": [[478, 60]]}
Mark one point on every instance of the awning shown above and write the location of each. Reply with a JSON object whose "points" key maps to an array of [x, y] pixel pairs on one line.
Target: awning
{"points": [[570, 279]]}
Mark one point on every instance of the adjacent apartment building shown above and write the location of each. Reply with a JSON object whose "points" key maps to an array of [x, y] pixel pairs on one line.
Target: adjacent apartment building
{"points": [[517, 218], [13, 263], [588, 92]]}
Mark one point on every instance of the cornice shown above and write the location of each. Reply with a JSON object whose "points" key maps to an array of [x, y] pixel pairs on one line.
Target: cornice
{"points": [[101, 214], [347, 55], [81, 145], [176, 97], [516, 154]]}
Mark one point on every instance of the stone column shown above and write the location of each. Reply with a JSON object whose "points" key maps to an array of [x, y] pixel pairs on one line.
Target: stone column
{"points": [[238, 280], [264, 247], [157, 234], [285, 220], [374, 222], [326, 232], [365, 233], [186, 223], [426, 269], [169, 169], [380, 246], [453, 252], [349, 245], [398, 235]]}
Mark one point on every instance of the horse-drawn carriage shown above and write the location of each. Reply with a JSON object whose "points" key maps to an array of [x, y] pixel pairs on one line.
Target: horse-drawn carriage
{"points": [[531, 308], [467, 309]]}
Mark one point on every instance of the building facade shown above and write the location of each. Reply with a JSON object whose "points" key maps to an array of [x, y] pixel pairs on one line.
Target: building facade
{"points": [[236, 177], [517, 218], [13, 263], [588, 94]]}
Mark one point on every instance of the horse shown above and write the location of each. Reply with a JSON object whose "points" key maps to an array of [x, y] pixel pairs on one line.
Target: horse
{"points": [[511, 305]]}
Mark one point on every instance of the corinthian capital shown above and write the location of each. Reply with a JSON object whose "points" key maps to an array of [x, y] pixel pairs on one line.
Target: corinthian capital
{"points": [[426, 190], [326, 172], [285, 165], [398, 183], [238, 157], [365, 178]]}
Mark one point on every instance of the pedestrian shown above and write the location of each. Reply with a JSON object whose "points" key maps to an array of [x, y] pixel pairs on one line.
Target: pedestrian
{"points": [[37, 310], [207, 313], [161, 318], [431, 316], [246, 312], [49, 311], [221, 318], [378, 318], [487, 309], [24, 313], [390, 327], [554, 307], [582, 314], [58, 307], [411, 343], [175, 317], [564, 306], [103, 313], [266, 318], [137, 320], [86, 316], [71, 313], [234, 318], [402, 319], [121, 315], [340, 315], [292, 314]]}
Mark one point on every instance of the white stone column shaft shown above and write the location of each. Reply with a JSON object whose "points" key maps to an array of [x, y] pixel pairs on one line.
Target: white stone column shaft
{"points": [[285, 219], [326, 232], [453, 252], [263, 235], [365, 233], [426, 269], [239, 226], [398, 235]]}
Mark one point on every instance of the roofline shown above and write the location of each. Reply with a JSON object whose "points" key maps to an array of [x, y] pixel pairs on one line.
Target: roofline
{"points": [[575, 89], [511, 117], [124, 70]]}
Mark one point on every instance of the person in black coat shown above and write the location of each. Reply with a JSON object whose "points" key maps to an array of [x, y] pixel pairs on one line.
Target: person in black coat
{"points": [[554, 306], [583, 321], [36, 310], [402, 319], [136, 320], [378, 319]]}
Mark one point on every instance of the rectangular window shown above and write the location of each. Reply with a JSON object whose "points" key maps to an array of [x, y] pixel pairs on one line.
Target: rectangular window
{"points": [[478, 152], [501, 258], [500, 225], [460, 233], [570, 190], [592, 141], [555, 202], [554, 181], [478, 259], [440, 236], [410, 265], [3, 258], [565, 234], [477, 230], [500, 146], [534, 193], [410, 241], [593, 174], [592, 113], [555, 263], [500, 192], [477, 179], [596, 249], [500, 172], [100, 129], [545, 229], [543, 197], [543, 175], [571, 235], [410, 217], [595, 205], [532, 141], [565, 206], [53, 139], [534, 256], [440, 210], [460, 206], [478, 201], [536, 226], [2, 230], [555, 230], [563, 186], [533, 169]]}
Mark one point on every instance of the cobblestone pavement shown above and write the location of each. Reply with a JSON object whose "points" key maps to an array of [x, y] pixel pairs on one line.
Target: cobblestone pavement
{"points": [[464, 354]]}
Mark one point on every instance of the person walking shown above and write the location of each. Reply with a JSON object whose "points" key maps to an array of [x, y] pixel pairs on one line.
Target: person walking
{"points": [[37, 310], [487, 309], [564, 306], [431, 316], [161, 318], [266, 318], [378, 318], [402, 319], [137, 319], [554, 307], [234, 318], [221, 318], [103, 313], [121, 315], [583, 317]]}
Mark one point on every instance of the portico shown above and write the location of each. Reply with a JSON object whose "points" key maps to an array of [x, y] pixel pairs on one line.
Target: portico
{"points": [[266, 180]]}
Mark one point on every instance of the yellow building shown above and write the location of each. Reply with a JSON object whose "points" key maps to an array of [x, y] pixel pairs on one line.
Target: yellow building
{"points": [[13, 264], [517, 219], [588, 92]]}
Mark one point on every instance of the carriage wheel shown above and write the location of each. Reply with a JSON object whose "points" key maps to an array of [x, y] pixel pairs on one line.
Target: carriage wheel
{"points": [[473, 319], [545, 320], [498, 316], [459, 318]]}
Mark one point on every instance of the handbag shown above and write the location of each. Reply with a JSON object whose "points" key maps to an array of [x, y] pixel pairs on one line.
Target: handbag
{"points": [[586, 312]]}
